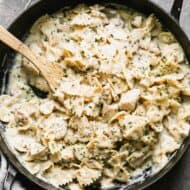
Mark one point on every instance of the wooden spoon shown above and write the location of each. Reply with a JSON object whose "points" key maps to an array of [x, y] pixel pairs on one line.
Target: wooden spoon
{"points": [[50, 72]]}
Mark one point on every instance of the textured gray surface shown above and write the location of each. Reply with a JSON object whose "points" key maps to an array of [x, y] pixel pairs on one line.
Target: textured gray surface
{"points": [[179, 177]]}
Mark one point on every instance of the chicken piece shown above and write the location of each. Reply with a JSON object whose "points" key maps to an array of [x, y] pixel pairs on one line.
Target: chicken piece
{"points": [[128, 100], [154, 114], [46, 107], [67, 154], [109, 111], [137, 21], [133, 126], [153, 47]]}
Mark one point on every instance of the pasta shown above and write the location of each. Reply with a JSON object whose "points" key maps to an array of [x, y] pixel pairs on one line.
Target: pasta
{"points": [[122, 106]]}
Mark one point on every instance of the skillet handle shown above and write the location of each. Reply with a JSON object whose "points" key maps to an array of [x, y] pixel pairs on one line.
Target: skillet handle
{"points": [[176, 9]]}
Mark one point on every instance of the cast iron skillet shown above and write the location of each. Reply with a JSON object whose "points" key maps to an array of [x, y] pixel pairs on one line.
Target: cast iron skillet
{"points": [[20, 27]]}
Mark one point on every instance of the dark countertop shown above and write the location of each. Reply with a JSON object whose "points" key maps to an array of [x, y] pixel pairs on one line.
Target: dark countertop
{"points": [[179, 177]]}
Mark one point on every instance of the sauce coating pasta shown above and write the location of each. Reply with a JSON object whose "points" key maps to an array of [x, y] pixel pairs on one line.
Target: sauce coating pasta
{"points": [[122, 107]]}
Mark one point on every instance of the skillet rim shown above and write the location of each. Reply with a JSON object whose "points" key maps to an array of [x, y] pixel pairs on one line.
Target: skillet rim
{"points": [[138, 185]]}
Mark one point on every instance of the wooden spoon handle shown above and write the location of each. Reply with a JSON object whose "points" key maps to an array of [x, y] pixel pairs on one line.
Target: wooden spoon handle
{"points": [[10, 40], [51, 72]]}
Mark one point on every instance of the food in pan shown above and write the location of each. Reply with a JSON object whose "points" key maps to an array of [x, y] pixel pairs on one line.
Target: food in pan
{"points": [[122, 108]]}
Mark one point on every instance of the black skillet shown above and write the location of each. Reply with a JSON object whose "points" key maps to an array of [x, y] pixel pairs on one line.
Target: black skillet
{"points": [[20, 27]]}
